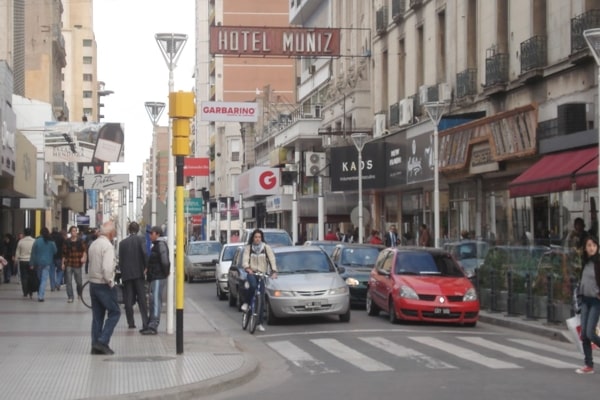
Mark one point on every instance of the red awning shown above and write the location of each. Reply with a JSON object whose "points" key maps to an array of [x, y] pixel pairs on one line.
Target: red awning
{"points": [[558, 172]]}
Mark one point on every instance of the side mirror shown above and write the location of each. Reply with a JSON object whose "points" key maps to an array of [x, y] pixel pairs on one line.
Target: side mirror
{"points": [[341, 270], [215, 261]]}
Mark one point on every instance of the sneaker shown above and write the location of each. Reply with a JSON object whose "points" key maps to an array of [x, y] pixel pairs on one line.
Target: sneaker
{"points": [[244, 307], [585, 370], [261, 328], [70, 301]]}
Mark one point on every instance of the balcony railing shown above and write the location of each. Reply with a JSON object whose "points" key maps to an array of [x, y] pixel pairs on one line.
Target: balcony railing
{"points": [[496, 69], [394, 114], [415, 4], [398, 8], [381, 20], [533, 53], [588, 20], [466, 83]]}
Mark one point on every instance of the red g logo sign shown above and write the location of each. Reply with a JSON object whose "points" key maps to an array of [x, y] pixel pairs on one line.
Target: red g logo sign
{"points": [[267, 180]]}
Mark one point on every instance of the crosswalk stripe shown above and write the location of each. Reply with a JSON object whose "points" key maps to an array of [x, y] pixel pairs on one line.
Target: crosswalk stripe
{"points": [[548, 348], [300, 358], [513, 352], [405, 352], [350, 355], [464, 353]]}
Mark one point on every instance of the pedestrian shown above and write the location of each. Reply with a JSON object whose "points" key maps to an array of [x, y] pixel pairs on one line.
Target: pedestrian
{"points": [[133, 264], [330, 235], [42, 257], [102, 269], [375, 239], [159, 268], [74, 253], [424, 236], [391, 237], [8, 252], [22, 257], [88, 239], [56, 270]]}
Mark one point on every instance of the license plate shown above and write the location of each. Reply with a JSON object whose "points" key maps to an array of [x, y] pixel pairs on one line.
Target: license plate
{"points": [[440, 310], [313, 304]]}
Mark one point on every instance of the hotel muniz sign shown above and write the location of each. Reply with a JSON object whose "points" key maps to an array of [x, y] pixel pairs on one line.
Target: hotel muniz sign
{"points": [[274, 41]]}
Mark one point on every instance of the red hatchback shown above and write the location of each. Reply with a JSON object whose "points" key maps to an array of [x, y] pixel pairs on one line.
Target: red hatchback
{"points": [[421, 284]]}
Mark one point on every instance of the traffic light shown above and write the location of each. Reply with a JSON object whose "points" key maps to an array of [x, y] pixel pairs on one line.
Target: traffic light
{"points": [[181, 109]]}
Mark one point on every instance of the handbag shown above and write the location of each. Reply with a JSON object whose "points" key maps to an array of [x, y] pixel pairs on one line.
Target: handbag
{"points": [[574, 327], [118, 288]]}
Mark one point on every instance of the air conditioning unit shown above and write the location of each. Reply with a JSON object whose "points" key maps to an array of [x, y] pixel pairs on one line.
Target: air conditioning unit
{"points": [[314, 163], [444, 92], [379, 129], [405, 111], [423, 94]]}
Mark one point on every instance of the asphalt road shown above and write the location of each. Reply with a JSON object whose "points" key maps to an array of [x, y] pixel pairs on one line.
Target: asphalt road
{"points": [[322, 358]]}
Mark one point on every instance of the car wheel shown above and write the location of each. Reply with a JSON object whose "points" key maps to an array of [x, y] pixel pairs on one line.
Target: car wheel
{"points": [[189, 278], [392, 311], [372, 308], [346, 316], [232, 300], [220, 294], [238, 301], [271, 318]]}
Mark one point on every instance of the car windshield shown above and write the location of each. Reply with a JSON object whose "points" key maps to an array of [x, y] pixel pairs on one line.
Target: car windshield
{"points": [[303, 262], [278, 239], [200, 249], [360, 257], [327, 248], [228, 253], [426, 264]]}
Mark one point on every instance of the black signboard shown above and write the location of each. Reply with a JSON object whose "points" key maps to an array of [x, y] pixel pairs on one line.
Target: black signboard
{"points": [[344, 167]]}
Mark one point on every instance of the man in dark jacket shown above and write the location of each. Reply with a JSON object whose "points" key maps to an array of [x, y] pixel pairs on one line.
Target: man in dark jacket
{"points": [[133, 263], [158, 271]]}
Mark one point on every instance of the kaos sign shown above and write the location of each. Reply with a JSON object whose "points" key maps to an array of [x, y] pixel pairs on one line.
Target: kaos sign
{"points": [[259, 181]]}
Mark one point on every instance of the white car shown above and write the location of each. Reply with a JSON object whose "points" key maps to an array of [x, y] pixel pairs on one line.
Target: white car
{"points": [[222, 269]]}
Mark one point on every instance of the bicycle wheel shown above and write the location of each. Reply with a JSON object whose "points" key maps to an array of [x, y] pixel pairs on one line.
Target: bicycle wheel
{"points": [[246, 318], [85, 295], [255, 311]]}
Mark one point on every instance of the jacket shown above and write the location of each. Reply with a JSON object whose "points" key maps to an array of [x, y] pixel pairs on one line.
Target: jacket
{"points": [[133, 259], [261, 261], [42, 252], [159, 266], [101, 261], [24, 246]]}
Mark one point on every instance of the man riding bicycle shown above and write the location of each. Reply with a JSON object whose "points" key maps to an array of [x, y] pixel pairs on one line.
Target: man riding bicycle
{"points": [[258, 257]]}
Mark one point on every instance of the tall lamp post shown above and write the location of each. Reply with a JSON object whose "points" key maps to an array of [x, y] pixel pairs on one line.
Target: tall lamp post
{"points": [[154, 110], [435, 110], [170, 45], [592, 38], [359, 140]]}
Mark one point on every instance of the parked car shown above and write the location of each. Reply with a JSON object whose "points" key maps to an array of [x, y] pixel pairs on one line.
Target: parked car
{"points": [[327, 245], [469, 253], [200, 260], [235, 279], [355, 262], [308, 284], [222, 269], [273, 237], [421, 284]]}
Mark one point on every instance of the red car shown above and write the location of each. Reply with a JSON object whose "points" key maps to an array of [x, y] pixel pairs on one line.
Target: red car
{"points": [[421, 284]]}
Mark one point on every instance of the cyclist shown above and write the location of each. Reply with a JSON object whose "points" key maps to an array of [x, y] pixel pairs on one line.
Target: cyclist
{"points": [[258, 257]]}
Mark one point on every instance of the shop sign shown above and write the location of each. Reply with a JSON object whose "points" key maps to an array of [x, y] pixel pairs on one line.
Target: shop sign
{"points": [[481, 159]]}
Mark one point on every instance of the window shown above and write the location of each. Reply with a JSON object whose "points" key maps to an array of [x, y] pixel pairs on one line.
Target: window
{"points": [[88, 77], [235, 149], [87, 42], [87, 94], [87, 60], [87, 111]]}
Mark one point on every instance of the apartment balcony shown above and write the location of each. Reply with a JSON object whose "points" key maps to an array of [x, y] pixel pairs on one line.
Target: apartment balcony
{"points": [[398, 9], [533, 58], [496, 74], [466, 83], [301, 125], [381, 20], [579, 49], [416, 4]]}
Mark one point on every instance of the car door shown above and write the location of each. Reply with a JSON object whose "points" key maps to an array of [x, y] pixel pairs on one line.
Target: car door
{"points": [[380, 277]]}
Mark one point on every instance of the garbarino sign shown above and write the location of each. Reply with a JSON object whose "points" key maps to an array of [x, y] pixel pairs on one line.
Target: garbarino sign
{"points": [[220, 111], [275, 41]]}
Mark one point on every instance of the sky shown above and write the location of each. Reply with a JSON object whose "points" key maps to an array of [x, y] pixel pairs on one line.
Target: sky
{"points": [[131, 64]]}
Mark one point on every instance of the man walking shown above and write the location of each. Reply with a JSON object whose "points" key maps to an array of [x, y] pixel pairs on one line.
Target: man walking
{"points": [[102, 268], [391, 237], [42, 257], [74, 254], [22, 257], [158, 271], [56, 271], [133, 263]]}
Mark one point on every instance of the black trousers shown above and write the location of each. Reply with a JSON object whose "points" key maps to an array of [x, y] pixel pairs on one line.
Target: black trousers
{"points": [[25, 273], [135, 290]]}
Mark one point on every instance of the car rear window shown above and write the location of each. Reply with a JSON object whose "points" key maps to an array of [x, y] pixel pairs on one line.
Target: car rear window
{"points": [[359, 256], [303, 262], [200, 249], [277, 239], [426, 264], [228, 253]]}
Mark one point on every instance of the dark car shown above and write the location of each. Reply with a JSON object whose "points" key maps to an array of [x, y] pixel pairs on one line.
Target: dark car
{"points": [[235, 279], [421, 284], [355, 262], [469, 253], [327, 245], [273, 237]]}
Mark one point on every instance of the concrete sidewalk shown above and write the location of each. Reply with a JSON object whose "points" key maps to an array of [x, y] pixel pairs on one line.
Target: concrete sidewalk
{"points": [[45, 354]]}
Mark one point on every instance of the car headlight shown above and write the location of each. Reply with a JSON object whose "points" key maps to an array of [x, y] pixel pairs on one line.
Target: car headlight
{"points": [[408, 293], [340, 290], [471, 295], [280, 293], [352, 281]]}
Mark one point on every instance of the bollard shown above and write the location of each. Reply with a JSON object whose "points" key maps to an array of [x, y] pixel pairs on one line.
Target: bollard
{"points": [[493, 299], [573, 287], [509, 294], [529, 298], [550, 300]]}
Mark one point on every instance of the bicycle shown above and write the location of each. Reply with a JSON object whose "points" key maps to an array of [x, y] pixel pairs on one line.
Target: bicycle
{"points": [[87, 300], [251, 315]]}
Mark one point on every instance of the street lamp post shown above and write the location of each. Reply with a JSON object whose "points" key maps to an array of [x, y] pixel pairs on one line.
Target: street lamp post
{"points": [[435, 110], [359, 140], [170, 45], [154, 110], [592, 38]]}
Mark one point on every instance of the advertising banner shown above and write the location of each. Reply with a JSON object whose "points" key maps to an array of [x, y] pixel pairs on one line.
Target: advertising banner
{"points": [[220, 111], [105, 182], [259, 181], [196, 166], [344, 167]]}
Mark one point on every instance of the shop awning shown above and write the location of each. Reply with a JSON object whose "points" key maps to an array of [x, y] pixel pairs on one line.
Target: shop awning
{"points": [[558, 172]]}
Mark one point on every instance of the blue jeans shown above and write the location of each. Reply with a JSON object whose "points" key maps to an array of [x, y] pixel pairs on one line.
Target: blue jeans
{"points": [[59, 273], [156, 288], [70, 273], [590, 312], [43, 274], [252, 287], [104, 300]]}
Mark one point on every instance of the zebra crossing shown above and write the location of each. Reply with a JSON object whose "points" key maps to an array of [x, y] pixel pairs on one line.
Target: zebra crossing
{"points": [[326, 355]]}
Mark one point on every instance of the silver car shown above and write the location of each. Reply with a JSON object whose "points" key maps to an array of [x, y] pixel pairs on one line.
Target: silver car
{"points": [[222, 269], [308, 284], [200, 260]]}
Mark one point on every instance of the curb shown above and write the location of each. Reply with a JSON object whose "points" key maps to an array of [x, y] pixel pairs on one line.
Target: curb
{"points": [[546, 331]]}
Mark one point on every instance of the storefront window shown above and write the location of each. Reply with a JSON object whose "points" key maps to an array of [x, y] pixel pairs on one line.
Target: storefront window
{"points": [[462, 211]]}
